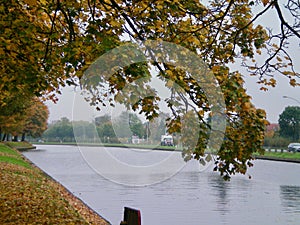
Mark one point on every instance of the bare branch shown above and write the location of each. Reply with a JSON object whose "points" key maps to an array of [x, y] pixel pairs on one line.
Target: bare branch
{"points": [[283, 21]]}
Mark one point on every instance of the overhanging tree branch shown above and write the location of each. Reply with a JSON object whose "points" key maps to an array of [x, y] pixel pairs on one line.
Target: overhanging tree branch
{"points": [[283, 21]]}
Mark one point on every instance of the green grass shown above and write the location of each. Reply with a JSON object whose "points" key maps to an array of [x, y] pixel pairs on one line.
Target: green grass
{"points": [[7, 150], [284, 155], [12, 156], [16, 161], [22, 144]]}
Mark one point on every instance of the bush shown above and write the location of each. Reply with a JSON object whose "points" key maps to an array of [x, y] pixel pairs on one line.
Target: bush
{"points": [[276, 142]]}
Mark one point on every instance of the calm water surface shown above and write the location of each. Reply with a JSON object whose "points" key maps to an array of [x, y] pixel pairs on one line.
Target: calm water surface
{"points": [[190, 197]]}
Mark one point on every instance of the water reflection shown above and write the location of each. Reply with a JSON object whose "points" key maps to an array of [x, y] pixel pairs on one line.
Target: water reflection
{"points": [[290, 198], [220, 188]]}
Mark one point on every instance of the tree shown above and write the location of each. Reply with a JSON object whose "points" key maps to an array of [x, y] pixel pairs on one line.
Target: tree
{"points": [[157, 127], [128, 124], [106, 132], [31, 48], [36, 119], [102, 119], [219, 34], [289, 123], [46, 42], [61, 130], [13, 114], [23, 116], [105, 129], [84, 131]]}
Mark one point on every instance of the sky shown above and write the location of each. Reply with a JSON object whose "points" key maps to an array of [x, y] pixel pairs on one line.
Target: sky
{"points": [[72, 105]]}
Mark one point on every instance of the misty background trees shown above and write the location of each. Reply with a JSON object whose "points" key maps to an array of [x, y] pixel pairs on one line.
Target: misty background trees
{"points": [[106, 129]]}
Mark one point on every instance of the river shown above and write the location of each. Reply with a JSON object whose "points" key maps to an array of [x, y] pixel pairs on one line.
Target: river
{"points": [[191, 196]]}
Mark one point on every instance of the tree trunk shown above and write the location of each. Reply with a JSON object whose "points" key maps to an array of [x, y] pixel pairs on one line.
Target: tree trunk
{"points": [[7, 137], [4, 136], [15, 139], [23, 137]]}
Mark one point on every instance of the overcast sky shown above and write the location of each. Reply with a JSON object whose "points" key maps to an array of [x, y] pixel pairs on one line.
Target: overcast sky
{"points": [[272, 101]]}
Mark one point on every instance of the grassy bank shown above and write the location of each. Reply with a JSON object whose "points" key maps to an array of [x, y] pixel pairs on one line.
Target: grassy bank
{"points": [[28, 196], [20, 145], [285, 155], [280, 156]]}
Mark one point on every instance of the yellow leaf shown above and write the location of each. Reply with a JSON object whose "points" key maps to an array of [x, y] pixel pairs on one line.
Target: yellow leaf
{"points": [[216, 69], [287, 73], [293, 82], [44, 2], [159, 6], [263, 88], [169, 83], [114, 23], [272, 82], [169, 72], [196, 41], [30, 2]]}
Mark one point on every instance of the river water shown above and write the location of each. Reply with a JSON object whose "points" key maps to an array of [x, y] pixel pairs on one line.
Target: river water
{"points": [[192, 196]]}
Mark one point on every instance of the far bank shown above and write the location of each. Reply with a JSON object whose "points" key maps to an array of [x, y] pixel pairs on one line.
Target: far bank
{"points": [[270, 154]]}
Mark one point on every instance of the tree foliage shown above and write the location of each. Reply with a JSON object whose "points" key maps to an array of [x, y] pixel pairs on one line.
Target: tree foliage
{"points": [[61, 130], [44, 43], [289, 122], [129, 124], [37, 118], [30, 49], [24, 117]]}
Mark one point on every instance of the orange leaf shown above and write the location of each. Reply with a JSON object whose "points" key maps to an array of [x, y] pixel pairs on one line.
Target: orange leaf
{"points": [[265, 2]]}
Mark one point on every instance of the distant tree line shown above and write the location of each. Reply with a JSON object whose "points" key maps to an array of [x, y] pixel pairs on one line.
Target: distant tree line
{"points": [[106, 129]]}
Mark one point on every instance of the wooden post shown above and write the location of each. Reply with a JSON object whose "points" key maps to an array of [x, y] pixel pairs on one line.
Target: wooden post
{"points": [[131, 217]]}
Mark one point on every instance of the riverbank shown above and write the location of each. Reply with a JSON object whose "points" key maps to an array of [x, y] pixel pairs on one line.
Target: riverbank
{"points": [[20, 145], [280, 156], [29, 196]]}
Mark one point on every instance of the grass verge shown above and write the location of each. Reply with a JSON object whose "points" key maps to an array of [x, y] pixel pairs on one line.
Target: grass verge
{"points": [[29, 196], [23, 145], [284, 155], [280, 156]]}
